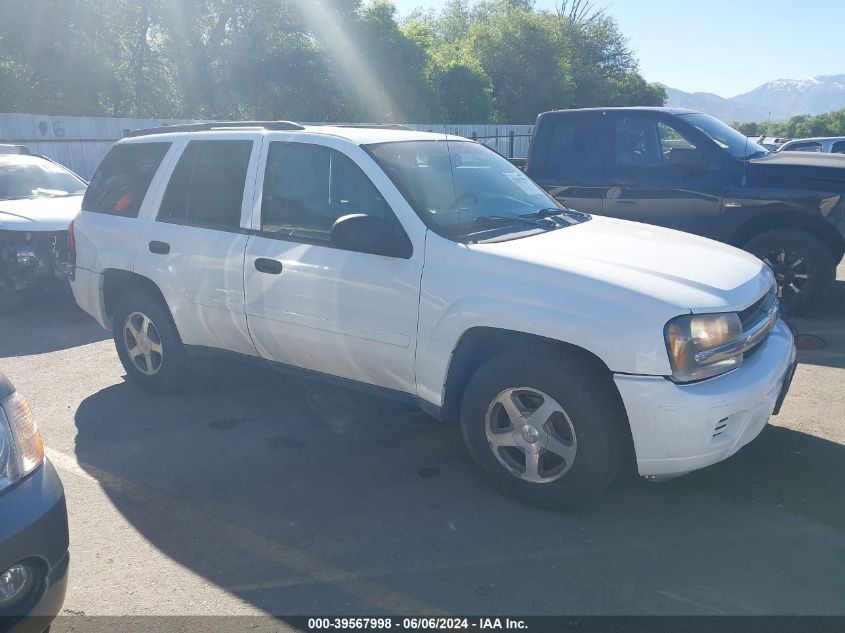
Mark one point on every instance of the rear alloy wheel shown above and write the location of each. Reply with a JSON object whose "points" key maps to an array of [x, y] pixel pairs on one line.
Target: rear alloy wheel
{"points": [[801, 262], [148, 343], [143, 343]]}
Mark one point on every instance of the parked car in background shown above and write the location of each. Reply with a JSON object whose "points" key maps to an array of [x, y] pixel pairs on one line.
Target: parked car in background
{"points": [[771, 143], [33, 522], [38, 200], [427, 268], [689, 171], [827, 144]]}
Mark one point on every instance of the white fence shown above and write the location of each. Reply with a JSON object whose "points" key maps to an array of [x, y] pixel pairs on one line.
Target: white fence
{"points": [[80, 143]]}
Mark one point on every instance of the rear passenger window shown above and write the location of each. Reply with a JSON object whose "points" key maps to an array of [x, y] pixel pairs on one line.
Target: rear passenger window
{"points": [[121, 181], [838, 147], [307, 187], [207, 184]]}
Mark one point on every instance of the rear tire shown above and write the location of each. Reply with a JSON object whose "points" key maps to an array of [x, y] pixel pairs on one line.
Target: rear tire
{"points": [[802, 263], [148, 343], [578, 434]]}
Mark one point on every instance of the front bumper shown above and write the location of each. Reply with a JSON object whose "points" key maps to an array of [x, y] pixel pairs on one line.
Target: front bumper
{"points": [[680, 428], [34, 529]]}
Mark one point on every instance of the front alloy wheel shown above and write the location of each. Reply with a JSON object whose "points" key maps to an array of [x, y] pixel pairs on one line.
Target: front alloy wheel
{"points": [[531, 435]]}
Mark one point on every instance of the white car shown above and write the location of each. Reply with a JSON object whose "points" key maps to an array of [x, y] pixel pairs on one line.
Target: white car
{"points": [[38, 200], [427, 268], [827, 144]]}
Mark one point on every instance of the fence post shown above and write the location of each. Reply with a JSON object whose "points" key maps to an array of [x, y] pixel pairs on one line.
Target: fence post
{"points": [[510, 145]]}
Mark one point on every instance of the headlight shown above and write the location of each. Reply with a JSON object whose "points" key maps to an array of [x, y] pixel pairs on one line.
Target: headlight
{"points": [[21, 448], [689, 338]]}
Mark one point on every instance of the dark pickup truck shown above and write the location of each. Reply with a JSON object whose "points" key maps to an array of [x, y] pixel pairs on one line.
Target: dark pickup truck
{"points": [[689, 171]]}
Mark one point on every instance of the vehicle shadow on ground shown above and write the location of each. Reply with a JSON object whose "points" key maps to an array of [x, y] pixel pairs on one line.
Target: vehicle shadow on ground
{"points": [[47, 322], [303, 499]]}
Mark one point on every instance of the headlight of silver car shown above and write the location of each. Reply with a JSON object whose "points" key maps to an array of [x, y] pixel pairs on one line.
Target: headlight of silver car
{"points": [[21, 448], [692, 339]]}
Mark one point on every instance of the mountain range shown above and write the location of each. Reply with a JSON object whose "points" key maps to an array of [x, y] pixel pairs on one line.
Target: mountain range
{"points": [[776, 100]]}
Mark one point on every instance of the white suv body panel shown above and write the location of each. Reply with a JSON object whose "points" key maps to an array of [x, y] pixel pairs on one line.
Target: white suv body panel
{"points": [[352, 315], [606, 286], [679, 428], [201, 277]]}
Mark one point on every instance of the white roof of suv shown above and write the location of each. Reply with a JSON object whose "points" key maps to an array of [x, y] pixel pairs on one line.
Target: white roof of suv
{"points": [[358, 134]]}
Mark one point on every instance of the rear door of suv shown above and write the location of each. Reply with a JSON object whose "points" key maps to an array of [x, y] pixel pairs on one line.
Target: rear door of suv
{"points": [[193, 243]]}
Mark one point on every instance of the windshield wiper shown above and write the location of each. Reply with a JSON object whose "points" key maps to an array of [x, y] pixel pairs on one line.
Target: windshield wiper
{"points": [[491, 222], [506, 219], [568, 215]]}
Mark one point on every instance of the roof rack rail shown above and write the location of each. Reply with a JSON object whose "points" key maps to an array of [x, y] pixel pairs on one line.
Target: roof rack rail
{"points": [[216, 125], [375, 126]]}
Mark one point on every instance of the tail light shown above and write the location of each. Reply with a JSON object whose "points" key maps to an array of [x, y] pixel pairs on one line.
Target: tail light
{"points": [[71, 250]]}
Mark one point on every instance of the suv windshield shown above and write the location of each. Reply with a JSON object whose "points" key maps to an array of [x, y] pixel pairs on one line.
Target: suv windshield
{"points": [[736, 143], [462, 188], [31, 177]]}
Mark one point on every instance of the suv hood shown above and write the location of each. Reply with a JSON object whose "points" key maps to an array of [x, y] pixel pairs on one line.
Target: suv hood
{"points": [[682, 271], [39, 214]]}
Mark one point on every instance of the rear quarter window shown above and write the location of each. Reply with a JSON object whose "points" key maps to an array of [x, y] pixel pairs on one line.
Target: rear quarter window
{"points": [[121, 181]]}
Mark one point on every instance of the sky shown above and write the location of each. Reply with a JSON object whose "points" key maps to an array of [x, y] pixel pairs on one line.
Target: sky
{"points": [[722, 46]]}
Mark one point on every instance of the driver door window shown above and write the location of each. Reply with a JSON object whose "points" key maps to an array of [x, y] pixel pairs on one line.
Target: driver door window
{"points": [[307, 187], [660, 176]]}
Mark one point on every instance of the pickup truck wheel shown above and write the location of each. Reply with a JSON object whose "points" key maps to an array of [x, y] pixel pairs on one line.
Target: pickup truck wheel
{"points": [[148, 344], [548, 431], [802, 263]]}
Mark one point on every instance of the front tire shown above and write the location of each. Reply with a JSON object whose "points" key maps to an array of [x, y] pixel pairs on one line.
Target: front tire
{"points": [[548, 431], [148, 343], [802, 263]]}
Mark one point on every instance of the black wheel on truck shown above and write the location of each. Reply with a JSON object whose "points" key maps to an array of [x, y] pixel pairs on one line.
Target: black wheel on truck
{"points": [[148, 343], [802, 263], [548, 431]]}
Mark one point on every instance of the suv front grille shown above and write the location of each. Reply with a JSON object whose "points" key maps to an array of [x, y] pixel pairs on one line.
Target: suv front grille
{"points": [[757, 314]]}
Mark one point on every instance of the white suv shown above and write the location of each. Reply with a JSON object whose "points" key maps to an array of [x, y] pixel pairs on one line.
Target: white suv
{"points": [[428, 268]]}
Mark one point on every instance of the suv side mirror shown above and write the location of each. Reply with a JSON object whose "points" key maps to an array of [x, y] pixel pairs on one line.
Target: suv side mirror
{"points": [[363, 233]]}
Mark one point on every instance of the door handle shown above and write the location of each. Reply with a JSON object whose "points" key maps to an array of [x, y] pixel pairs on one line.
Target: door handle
{"points": [[269, 266], [159, 248]]}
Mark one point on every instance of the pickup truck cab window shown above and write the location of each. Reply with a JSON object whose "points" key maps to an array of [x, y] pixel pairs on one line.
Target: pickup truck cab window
{"points": [[461, 188]]}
